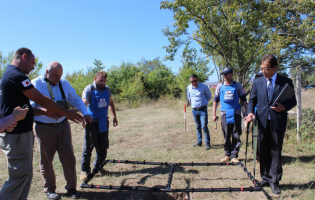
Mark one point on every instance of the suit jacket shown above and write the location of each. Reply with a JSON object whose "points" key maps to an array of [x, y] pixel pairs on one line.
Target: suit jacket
{"points": [[259, 95]]}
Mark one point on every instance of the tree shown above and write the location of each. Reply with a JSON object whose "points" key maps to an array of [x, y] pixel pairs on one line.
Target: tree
{"points": [[80, 79], [230, 30], [294, 30], [5, 61], [307, 65], [192, 64]]}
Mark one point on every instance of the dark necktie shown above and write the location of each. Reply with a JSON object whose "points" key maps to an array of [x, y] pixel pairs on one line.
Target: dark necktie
{"points": [[270, 89]]}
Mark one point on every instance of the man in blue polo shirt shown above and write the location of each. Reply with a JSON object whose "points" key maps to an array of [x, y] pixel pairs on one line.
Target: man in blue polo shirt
{"points": [[199, 95], [16, 90], [229, 93]]}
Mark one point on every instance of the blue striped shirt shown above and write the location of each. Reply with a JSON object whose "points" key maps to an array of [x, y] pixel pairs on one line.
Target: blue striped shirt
{"points": [[199, 96]]}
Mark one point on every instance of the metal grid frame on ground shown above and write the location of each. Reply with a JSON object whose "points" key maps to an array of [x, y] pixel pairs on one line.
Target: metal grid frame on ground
{"points": [[256, 185]]}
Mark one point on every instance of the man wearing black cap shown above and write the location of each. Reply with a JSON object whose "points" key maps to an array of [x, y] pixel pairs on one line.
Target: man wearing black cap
{"points": [[228, 93]]}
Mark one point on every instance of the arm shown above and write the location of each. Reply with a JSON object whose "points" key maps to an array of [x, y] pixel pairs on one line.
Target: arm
{"points": [[113, 111], [216, 100], [8, 123], [76, 101], [252, 103], [214, 115], [208, 93], [49, 104], [287, 105], [188, 95]]}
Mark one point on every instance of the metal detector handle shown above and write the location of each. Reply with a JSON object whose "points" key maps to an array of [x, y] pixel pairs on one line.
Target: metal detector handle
{"points": [[255, 140], [216, 125], [246, 144]]}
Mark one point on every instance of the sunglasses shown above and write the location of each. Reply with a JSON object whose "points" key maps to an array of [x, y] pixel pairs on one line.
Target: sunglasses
{"points": [[194, 81]]}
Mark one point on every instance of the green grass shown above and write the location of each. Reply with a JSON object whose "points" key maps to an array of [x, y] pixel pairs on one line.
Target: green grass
{"points": [[155, 132]]}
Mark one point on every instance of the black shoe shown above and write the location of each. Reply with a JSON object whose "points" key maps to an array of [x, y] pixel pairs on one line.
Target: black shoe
{"points": [[52, 195], [73, 193], [264, 183], [208, 147], [275, 188], [197, 144]]}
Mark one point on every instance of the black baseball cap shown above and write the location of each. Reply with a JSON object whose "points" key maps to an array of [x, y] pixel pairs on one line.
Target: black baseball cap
{"points": [[227, 70]]}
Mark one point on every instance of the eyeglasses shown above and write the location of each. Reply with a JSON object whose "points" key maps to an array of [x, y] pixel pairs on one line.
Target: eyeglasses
{"points": [[194, 81], [265, 69]]}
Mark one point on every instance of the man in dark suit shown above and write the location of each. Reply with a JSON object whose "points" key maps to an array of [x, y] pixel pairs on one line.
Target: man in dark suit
{"points": [[272, 120]]}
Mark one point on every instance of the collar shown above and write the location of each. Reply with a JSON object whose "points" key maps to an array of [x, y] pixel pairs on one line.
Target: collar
{"points": [[45, 79], [274, 77], [232, 82]]}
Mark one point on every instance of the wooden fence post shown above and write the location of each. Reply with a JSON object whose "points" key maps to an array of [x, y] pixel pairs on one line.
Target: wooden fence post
{"points": [[299, 102]]}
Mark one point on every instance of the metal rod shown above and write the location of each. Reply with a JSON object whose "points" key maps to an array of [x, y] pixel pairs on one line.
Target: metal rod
{"points": [[156, 189]]}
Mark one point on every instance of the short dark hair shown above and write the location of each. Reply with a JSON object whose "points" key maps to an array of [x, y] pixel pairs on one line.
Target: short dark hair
{"points": [[103, 73], [270, 60], [193, 76], [22, 51]]}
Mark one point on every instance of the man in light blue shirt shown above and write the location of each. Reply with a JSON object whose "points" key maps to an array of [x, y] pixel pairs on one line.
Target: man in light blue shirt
{"points": [[54, 134], [199, 95]]}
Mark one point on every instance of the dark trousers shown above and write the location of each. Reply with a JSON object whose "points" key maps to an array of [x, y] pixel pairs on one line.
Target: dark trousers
{"points": [[102, 143], [232, 130], [270, 154]]}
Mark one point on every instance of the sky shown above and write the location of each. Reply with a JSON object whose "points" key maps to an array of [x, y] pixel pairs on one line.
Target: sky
{"points": [[75, 33]]}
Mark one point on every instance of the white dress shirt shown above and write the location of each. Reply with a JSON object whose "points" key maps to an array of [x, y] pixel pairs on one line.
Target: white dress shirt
{"points": [[41, 85]]}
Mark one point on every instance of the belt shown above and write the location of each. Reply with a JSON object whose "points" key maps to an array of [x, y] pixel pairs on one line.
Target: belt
{"points": [[200, 108], [51, 124]]}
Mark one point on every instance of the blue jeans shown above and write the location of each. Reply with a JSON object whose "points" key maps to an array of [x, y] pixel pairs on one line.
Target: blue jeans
{"points": [[201, 120]]}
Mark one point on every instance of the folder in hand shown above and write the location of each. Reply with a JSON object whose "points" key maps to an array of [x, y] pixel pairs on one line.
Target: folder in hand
{"points": [[286, 94]]}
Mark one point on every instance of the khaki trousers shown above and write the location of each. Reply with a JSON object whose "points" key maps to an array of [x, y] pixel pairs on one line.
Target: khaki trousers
{"points": [[52, 139], [19, 151]]}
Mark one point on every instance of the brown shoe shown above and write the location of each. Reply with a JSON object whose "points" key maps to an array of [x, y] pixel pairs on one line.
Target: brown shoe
{"points": [[83, 176], [226, 159], [235, 160]]}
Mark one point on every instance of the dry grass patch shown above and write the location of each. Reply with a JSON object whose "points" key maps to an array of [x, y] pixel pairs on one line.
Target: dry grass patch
{"points": [[155, 132]]}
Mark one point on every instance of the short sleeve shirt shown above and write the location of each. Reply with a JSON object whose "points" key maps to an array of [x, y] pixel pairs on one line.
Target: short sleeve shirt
{"points": [[240, 90], [86, 94], [13, 83]]}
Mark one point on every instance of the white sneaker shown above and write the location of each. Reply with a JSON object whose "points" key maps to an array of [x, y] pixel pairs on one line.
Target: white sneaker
{"points": [[235, 160], [225, 159]]}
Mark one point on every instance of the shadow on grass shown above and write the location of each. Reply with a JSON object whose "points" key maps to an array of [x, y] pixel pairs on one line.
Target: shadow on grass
{"points": [[303, 159], [151, 171], [217, 146], [115, 195], [309, 185]]}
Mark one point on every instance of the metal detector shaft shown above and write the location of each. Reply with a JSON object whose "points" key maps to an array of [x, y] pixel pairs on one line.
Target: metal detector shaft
{"points": [[247, 133], [216, 125], [255, 139]]}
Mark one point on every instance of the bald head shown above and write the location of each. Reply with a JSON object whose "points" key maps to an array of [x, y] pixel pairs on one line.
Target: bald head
{"points": [[54, 72]]}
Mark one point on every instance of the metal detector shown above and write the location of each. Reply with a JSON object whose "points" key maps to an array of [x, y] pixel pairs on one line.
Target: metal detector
{"points": [[254, 139]]}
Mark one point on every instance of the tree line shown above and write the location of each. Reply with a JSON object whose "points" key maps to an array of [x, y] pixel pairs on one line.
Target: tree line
{"points": [[230, 33]]}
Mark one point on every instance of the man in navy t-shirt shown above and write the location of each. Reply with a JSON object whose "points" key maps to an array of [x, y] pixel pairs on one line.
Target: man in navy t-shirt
{"points": [[16, 90]]}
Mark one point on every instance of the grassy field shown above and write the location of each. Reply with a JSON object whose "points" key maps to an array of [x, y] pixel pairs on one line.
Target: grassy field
{"points": [[155, 132]]}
